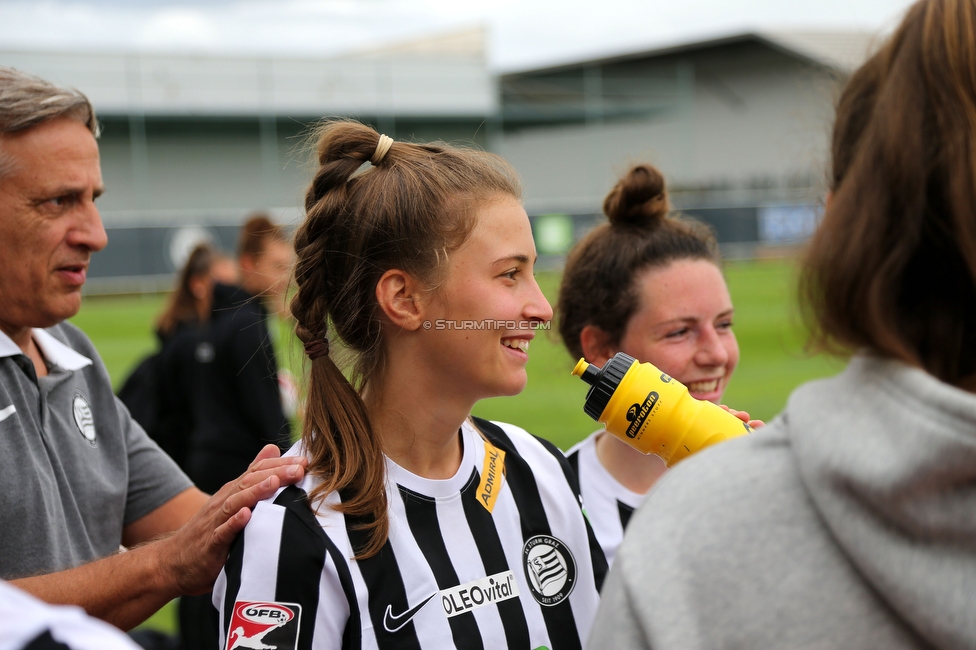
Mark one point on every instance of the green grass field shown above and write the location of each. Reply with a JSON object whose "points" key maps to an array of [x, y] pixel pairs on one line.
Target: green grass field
{"points": [[769, 333]]}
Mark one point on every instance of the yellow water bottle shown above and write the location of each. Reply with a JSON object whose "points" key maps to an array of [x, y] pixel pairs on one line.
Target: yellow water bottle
{"points": [[652, 411]]}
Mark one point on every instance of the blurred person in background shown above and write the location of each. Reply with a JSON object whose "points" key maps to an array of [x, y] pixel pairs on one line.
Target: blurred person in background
{"points": [[238, 406], [651, 286], [79, 477], [849, 521], [158, 392], [236, 397], [191, 302]]}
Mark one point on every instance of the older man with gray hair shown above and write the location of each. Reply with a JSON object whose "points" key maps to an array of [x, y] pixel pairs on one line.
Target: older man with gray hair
{"points": [[78, 476]]}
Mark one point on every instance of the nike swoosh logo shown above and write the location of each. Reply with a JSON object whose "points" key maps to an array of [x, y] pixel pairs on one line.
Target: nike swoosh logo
{"points": [[7, 412], [393, 623]]}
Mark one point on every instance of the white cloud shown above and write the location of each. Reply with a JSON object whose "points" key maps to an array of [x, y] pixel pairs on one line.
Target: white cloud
{"points": [[524, 32], [178, 27]]}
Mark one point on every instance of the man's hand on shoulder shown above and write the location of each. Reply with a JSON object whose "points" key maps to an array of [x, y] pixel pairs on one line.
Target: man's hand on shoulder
{"points": [[194, 554], [127, 588]]}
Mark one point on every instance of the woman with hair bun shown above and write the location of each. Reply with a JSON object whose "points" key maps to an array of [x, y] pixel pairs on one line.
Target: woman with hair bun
{"points": [[649, 285], [849, 521], [418, 526]]}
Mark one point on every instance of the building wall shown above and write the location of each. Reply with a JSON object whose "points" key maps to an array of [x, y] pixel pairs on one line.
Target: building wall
{"points": [[749, 125], [187, 179], [215, 170], [202, 170]]}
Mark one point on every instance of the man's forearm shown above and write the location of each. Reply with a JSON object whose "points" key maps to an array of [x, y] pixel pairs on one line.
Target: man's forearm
{"points": [[126, 588], [123, 589]]}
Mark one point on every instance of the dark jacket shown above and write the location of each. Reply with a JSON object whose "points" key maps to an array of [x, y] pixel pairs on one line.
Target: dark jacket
{"points": [[236, 401], [158, 392]]}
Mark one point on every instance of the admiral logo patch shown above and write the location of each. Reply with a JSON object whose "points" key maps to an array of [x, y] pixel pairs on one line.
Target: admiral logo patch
{"points": [[549, 568], [492, 475], [264, 626]]}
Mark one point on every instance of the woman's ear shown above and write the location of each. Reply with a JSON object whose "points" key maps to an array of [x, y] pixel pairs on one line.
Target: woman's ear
{"points": [[596, 344], [399, 295]]}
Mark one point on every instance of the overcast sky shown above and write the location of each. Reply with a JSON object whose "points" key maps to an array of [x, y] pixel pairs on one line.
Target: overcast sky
{"points": [[523, 33]]}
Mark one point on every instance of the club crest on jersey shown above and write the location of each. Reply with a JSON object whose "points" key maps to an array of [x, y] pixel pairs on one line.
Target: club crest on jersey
{"points": [[264, 626], [550, 569], [84, 419]]}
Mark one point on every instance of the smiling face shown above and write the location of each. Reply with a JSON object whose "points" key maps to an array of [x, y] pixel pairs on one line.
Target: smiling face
{"points": [[483, 314], [683, 325], [49, 226]]}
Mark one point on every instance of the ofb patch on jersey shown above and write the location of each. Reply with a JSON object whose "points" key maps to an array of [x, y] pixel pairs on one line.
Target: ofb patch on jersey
{"points": [[264, 626], [84, 419], [550, 569]]}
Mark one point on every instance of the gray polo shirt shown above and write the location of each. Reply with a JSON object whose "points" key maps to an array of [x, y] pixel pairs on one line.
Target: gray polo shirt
{"points": [[75, 468]]}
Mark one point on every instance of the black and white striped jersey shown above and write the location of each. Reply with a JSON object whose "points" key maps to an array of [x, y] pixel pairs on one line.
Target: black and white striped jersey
{"points": [[498, 556], [26, 623], [608, 503]]}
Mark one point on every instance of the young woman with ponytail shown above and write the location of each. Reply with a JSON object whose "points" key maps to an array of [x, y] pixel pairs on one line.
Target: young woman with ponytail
{"points": [[419, 526], [650, 285], [849, 521]]}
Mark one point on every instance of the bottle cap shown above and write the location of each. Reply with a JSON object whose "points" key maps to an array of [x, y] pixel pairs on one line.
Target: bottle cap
{"points": [[602, 382]]}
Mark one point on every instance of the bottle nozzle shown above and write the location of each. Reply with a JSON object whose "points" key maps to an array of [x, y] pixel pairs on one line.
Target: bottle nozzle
{"points": [[586, 372]]}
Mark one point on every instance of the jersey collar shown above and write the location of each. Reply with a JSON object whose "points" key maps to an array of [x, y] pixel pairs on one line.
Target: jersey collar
{"points": [[53, 350]]}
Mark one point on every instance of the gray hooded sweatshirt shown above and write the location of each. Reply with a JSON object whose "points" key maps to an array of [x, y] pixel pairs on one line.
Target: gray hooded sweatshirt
{"points": [[848, 522]]}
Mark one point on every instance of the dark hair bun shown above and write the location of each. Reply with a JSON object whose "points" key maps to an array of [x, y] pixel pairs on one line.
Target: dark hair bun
{"points": [[639, 198]]}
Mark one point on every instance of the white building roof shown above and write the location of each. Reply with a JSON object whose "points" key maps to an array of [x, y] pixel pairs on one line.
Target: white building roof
{"points": [[841, 50], [445, 75], [844, 51]]}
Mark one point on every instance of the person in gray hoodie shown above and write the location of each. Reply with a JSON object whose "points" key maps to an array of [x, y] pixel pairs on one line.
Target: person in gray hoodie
{"points": [[849, 521]]}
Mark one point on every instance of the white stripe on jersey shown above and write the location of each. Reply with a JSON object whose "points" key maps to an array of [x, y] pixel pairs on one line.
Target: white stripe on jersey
{"points": [[326, 618], [430, 620], [466, 546], [459, 542], [260, 559], [261, 554], [602, 495]]}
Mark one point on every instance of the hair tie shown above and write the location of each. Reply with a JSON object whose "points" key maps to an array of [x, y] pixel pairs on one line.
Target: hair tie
{"points": [[382, 146], [317, 348]]}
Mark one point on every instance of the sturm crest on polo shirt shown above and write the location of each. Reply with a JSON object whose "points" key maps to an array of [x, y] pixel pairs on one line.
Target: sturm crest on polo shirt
{"points": [[84, 418]]}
